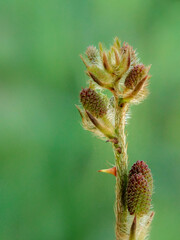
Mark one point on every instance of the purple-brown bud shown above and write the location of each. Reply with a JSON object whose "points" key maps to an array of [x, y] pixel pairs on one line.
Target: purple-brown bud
{"points": [[138, 195], [142, 167], [93, 102], [134, 76]]}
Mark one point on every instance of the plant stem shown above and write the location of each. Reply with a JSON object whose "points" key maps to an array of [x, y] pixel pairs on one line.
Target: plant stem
{"points": [[121, 167], [132, 235]]}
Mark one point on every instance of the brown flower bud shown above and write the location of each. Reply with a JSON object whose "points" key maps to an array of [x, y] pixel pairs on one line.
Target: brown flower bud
{"points": [[138, 195], [93, 102], [142, 167], [134, 76]]}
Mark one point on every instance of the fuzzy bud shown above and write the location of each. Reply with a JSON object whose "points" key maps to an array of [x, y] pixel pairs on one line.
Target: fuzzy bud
{"points": [[92, 54], [134, 76], [142, 167], [138, 195], [93, 102]]}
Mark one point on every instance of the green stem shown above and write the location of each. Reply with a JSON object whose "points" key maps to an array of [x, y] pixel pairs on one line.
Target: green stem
{"points": [[122, 171], [133, 229]]}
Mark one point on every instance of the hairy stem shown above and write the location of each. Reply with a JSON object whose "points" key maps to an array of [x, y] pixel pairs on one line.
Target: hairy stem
{"points": [[121, 179]]}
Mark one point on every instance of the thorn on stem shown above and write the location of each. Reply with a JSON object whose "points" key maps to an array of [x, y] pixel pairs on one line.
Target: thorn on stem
{"points": [[109, 170]]}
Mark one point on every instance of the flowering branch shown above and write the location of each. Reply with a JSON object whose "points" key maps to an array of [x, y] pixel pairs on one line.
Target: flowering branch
{"points": [[119, 71]]}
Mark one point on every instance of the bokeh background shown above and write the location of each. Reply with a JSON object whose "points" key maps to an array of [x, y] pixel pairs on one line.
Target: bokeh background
{"points": [[49, 185]]}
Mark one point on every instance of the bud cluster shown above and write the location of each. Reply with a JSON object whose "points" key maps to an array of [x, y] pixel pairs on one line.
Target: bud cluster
{"points": [[139, 189], [117, 70], [107, 68]]}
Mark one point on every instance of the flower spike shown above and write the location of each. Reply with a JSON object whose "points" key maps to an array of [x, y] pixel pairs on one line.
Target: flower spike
{"points": [[104, 113]]}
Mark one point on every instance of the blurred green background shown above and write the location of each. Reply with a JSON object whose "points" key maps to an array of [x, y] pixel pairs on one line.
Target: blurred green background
{"points": [[49, 185]]}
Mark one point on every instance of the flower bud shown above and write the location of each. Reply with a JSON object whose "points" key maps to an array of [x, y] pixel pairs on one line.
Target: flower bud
{"points": [[138, 195], [142, 167], [93, 102], [134, 76], [92, 54]]}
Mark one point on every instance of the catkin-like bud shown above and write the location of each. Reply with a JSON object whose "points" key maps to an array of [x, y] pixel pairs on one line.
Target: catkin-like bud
{"points": [[142, 167], [134, 76], [92, 54], [138, 195], [93, 102]]}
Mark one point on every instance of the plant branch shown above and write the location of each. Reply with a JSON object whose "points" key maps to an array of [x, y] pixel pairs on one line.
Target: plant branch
{"points": [[119, 71]]}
